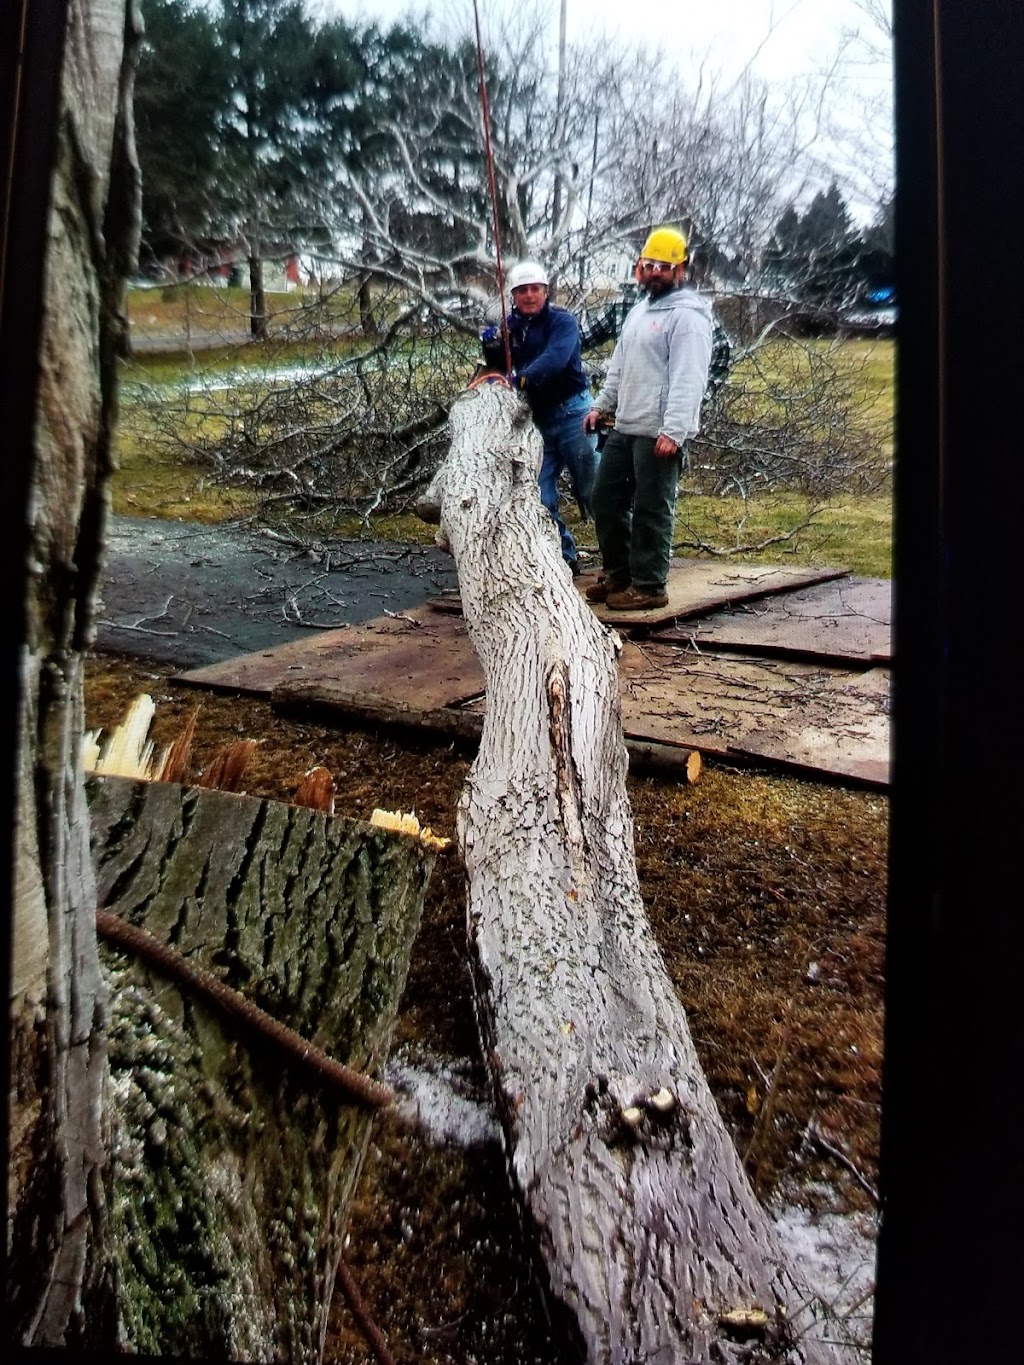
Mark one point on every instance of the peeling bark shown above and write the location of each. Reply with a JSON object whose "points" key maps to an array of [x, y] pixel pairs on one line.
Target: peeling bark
{"points": [[651, 1240]]}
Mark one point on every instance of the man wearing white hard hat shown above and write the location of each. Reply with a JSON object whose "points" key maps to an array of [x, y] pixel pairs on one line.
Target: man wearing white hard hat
{"points": [[544, 341]]}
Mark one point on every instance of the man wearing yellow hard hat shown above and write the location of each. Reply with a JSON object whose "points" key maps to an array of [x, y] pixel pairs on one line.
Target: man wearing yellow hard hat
{"points": [[653, 390]]}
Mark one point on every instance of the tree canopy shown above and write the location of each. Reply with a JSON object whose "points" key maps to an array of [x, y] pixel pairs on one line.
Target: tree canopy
{"points": [[264, 126], [823, 261]]}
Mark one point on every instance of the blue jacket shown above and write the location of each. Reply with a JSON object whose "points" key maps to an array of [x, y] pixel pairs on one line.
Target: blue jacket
{"points": [[545, 357]]}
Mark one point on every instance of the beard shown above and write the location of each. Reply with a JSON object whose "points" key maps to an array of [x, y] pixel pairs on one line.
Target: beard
{"points": [[656, 285]]}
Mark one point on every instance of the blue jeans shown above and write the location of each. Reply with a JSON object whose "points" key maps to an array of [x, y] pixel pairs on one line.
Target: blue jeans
{"points": [[567, 447]]}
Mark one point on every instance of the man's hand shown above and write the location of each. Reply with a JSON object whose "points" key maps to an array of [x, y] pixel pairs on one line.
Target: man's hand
{"points": [[594, 419], [665, 445]]}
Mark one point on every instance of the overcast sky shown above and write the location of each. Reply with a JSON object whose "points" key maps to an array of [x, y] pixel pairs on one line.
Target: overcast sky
{"points": [[781, 38], [782, 41]]}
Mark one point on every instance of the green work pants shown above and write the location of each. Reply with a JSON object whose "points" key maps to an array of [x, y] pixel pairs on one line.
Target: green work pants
{"points": [[634, 502]]}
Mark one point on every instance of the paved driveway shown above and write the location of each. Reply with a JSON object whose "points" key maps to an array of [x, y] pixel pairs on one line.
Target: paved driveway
{"points": [[189, 595]]}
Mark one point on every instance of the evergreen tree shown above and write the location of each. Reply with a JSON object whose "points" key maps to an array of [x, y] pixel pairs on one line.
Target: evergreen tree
{"points": [[782, 258], [816, 256], [292, 84], [241, 114], [825, 228], [182, 92], [879, 255]]}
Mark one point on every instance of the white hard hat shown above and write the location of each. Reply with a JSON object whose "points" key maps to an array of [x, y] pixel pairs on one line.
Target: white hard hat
{"points": [[527, 272]]}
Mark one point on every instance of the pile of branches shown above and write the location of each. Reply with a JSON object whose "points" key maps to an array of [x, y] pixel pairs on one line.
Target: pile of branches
{"points": [[795, 415], [343, 412], [334, 415]]}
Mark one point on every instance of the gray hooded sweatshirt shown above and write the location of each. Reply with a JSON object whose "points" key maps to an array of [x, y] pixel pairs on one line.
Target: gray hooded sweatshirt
{"points": [[659, 368]]}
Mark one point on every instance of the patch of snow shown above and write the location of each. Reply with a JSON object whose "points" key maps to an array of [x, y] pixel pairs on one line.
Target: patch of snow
{"points": [[835, 1254], [442, 1099]]}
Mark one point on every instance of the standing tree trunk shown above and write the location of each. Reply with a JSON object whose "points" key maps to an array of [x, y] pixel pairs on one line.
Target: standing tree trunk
{"points": [[58, 1285], [654, 1246], [257, 295], [367, 321]]}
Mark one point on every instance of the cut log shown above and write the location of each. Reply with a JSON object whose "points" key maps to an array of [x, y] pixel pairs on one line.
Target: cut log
{"points": [[653, 1244], [326, 700], [234, 1159], [664, 760]]}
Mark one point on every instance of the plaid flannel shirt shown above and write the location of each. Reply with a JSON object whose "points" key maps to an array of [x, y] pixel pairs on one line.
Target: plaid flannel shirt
{"points": [[607, 324]]}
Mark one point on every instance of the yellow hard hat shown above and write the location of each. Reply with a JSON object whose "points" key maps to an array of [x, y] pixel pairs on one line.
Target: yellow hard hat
{"points": [[665, 244]]}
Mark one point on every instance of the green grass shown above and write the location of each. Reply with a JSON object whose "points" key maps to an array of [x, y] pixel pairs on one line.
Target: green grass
{"points": [[174, 307], [854, 533], [198, 307], [150, 481]]}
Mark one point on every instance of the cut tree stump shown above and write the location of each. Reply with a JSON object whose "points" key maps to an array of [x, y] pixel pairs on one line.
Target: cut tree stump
{"points": [[652, 1243], [234, 1161]]}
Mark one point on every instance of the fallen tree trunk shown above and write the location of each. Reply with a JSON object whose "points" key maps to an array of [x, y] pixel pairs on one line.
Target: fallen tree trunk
{"points": [[235, 1152], [653, 1245]]}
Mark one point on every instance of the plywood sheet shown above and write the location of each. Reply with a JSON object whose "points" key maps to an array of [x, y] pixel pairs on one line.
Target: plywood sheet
{"points": [[799, 716], [418, 658], [845, 620], [697, 586], [796, 715]]}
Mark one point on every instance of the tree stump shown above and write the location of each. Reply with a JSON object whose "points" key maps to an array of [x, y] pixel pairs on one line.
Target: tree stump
{"points": [[233, 1166], [652, 1243]]}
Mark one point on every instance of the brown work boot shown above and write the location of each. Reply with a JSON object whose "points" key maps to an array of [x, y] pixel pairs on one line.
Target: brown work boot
{"points": [[636, 599], [599, 591]]}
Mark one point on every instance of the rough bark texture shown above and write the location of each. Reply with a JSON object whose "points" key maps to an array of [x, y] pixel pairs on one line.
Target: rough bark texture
{"points": [[232, 1166], [651, 1238], [59, 1285]]}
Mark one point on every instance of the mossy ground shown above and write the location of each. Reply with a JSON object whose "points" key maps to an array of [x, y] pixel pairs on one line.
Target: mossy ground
{"points": [[767, 897]]}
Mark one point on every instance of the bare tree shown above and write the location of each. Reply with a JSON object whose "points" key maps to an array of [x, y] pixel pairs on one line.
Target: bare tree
{"points": [[802, 423], [858, 146]]}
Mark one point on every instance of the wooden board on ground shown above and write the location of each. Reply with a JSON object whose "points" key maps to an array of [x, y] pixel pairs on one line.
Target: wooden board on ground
{"points": [[695, 587], [420, 658], [418, 671], [845, 620], [698, 586], [797, 716]]}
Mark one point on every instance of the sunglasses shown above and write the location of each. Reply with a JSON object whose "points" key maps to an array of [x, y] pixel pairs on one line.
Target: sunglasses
{"points": [[655, 267]]}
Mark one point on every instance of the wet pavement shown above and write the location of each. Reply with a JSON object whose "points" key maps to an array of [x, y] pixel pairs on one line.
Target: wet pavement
{"points": [[189, 595]]}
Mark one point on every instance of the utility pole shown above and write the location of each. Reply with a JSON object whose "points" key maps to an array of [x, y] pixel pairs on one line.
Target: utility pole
{"points": [[590, 203], [556, 203]]}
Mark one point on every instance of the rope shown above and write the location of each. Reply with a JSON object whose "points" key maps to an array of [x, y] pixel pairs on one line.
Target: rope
{"points": [[491, 186], [489, 377]]}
